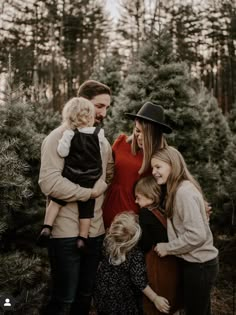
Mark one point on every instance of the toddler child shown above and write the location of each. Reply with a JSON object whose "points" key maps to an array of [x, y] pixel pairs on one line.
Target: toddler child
{"points": [[80, 146], [121, 277]]}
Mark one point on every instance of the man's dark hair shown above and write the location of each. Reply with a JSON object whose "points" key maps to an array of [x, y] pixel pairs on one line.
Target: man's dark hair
{"points": [[91, 88]]}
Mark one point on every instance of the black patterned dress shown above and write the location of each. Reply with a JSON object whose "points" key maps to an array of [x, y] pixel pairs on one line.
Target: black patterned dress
{"points": [[119, 288]]}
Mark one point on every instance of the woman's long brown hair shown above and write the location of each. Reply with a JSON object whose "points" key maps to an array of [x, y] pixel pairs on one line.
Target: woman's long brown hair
{"points": [[153, 140]]}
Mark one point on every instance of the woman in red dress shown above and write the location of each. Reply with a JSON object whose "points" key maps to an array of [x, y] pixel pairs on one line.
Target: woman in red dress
{"points": [[132, 157], [119, 196]]}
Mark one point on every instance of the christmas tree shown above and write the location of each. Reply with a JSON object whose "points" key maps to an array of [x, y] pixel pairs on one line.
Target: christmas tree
{"points": [[24, 269]]}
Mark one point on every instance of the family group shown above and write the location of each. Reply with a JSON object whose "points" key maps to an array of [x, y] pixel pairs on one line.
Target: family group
{"points": [[126, 226]]}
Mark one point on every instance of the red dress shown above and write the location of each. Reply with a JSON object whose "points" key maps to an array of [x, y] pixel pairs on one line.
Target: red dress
{"points": [[120, 196]]}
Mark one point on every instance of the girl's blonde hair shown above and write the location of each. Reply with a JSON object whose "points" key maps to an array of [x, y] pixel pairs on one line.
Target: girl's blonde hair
{"points": [[123, 234], [77, 113], [148, 187], [153, 140], [179, 172]]}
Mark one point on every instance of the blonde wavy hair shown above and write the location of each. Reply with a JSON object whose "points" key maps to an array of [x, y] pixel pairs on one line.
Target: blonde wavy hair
{"points": [[179, 172], [123, 234], [78, 112]]}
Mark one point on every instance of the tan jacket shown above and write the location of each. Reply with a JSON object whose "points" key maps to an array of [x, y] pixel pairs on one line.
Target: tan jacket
{"points": [[52, 183]]}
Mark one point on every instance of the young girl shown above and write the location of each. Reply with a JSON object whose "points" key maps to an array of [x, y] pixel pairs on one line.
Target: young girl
{"points": [[163, 274], [80, 146], [189, 234], [121, 277]]}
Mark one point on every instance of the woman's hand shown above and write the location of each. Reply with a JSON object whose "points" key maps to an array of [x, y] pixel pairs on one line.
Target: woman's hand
{"points": [[160, 249], [161, 304]]}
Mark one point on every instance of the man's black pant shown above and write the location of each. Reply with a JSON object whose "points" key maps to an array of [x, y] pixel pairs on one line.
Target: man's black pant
{"points": [[73, 275]]}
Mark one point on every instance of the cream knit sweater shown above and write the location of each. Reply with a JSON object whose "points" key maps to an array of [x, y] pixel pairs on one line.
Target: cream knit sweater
{"points": [[189, 233]]}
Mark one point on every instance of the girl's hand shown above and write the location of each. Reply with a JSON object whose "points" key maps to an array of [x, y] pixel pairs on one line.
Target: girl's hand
{"points": [[160, 249], [161, 304]]}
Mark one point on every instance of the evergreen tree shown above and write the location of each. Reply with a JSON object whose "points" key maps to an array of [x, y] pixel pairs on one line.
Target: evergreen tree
{"points": [[156, 76], [229, 208], [24, 270], [232, 119], [227, 219], [53, 43], [201, 132], [110, 73], [216, 137]]}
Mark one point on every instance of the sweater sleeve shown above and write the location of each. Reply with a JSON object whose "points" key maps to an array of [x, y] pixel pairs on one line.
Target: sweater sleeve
{"points": [[63, 147], [188, 208], [152, 230], [50, 179]]}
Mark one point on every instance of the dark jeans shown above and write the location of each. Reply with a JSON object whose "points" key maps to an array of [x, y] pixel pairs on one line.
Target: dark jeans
{"points": [[73, 275], [198, 280]]}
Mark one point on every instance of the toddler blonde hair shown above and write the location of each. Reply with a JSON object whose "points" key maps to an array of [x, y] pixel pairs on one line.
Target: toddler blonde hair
{"points": [[78, 112], [123, 234]]}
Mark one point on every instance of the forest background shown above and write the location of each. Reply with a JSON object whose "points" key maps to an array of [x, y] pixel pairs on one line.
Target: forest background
{"points": [[181, 54]]}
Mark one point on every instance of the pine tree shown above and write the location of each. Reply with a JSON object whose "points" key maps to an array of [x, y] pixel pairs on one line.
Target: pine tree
{"points": [[110, 73], [200, 131], [157, 77], [55, 43], [229, 172], [24, 269], [227, 220], [232, 118], [217, 137]]}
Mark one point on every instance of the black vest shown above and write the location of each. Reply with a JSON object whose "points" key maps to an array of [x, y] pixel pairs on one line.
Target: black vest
{"points": [[83, 165]]}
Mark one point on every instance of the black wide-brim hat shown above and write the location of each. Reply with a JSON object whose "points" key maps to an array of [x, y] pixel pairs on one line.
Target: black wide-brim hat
{"points": [[153, 113]]}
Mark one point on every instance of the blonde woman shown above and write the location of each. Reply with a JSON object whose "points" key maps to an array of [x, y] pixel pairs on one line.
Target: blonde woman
{"points": [[189, 234], [80, 146], [121, 277]]}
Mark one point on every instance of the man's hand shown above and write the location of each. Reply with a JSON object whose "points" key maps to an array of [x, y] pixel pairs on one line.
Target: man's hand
{"points": [[98, 189]]}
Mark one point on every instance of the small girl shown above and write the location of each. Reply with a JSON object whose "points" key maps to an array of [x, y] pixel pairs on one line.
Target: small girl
{"points": [[163, 274], [80, 146], [189, 234], [121, 277]]}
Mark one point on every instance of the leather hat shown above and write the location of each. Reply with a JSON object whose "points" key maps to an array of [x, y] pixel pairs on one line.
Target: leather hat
{"points": [[153, 113]]}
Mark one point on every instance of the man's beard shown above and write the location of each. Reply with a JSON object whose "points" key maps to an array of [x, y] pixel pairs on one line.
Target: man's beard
{"points": [[98, 120]]}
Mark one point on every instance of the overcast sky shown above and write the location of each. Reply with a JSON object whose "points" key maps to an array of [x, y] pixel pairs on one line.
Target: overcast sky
{"points": [[112, 7]]}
